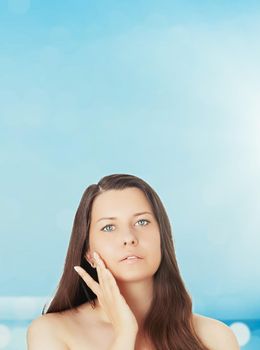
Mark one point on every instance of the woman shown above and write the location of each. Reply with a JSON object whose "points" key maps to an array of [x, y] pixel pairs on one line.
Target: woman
{"points": [[130, 295]]}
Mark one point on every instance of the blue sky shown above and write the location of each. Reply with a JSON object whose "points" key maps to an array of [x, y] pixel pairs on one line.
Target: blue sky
{"points": [[168, 91]]}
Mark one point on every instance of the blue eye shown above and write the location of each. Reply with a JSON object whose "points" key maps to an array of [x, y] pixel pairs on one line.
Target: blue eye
{"points": [[103, 229], [143, 220]]}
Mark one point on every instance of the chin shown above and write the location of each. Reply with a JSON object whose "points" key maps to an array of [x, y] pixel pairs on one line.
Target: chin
{"points": [[132, 276]]}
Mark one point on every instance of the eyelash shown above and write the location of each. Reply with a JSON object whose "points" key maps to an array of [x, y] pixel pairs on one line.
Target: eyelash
{"points": [[137, 221]]}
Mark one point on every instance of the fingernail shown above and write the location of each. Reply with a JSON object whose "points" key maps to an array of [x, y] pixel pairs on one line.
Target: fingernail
{"points": [[95, 255], [76, 268]]}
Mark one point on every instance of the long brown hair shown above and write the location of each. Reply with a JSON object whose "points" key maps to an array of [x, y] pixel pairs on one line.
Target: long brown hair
{"points": [[168, 323]]}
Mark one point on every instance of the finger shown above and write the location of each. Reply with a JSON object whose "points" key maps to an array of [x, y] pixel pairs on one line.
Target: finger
{"points": [[100, 276], [105, 277], [99, 260], [112, 282], [106, 272], [100, 270], [88, 280]]}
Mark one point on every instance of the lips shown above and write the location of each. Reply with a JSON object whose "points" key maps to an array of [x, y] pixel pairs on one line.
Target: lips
{"points": [[128, 255]]}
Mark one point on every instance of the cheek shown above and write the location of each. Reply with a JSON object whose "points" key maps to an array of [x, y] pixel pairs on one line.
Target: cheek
{"points": [[155, 249], [95, 241], [150, 245], [153, 240], [106, 251]]}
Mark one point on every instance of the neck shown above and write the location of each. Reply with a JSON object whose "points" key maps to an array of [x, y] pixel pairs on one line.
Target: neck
{"points": [[138, 296]]}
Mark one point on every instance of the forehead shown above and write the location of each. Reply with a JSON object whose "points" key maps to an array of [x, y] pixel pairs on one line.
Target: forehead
{"points": [[114, 202]]}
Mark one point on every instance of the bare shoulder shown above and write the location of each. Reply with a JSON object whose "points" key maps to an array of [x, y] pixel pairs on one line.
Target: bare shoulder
{"points": [[45, 332], [215, 334], [46, 321]]}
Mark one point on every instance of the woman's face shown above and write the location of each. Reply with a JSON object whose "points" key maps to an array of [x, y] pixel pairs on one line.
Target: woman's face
{"points": [[125, 233]]}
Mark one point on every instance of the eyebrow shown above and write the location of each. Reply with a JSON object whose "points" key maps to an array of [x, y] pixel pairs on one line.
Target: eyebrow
{"points": [[113, 217]]}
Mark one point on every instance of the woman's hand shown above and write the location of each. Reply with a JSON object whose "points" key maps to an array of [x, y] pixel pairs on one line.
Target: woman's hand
{"points": [[110, 298]]}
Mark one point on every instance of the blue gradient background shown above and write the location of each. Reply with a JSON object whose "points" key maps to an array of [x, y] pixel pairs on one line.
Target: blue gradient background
{"points": [[165, 90]]}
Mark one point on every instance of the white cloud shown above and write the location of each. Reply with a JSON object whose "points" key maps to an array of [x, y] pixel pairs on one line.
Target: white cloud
{"points": [[21, 308]]}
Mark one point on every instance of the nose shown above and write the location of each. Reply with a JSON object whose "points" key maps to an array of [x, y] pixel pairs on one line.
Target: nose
{"points": [[130, 239], [132, 242]]}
